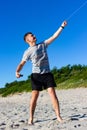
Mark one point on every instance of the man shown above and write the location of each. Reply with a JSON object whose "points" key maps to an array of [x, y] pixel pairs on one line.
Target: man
{"points": [[41, 77]]}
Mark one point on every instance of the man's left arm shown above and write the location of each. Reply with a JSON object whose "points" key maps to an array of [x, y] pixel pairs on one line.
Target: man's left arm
{"points": [[56, 34]]}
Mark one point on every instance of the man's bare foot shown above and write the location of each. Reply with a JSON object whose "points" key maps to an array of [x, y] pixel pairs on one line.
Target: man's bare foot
{"points": [[60, 119], [30, 122]]}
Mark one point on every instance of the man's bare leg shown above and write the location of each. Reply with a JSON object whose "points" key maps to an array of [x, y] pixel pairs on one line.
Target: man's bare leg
{"points": [[33, 102], [55, 103]]}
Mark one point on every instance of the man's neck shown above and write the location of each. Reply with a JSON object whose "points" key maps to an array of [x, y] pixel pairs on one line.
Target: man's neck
{"points": [[32, 44]]}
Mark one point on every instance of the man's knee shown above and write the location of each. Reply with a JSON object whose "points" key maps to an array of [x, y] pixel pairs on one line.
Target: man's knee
{"points": [[34, 96], [35, 93], [51, 91]]}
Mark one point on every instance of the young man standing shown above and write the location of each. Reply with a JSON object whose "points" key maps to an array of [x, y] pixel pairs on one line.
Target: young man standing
{"points": [[41, 77]]}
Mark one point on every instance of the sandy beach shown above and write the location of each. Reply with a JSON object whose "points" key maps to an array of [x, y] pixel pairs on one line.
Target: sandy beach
{"points": [[14, 111]]}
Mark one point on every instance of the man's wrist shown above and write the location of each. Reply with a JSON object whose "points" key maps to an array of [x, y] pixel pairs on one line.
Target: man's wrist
{"points": [[62, 27], [17, 72]]}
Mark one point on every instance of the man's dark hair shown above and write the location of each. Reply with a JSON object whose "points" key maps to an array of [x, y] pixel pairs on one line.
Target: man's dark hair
{"points": [[26, 35]]}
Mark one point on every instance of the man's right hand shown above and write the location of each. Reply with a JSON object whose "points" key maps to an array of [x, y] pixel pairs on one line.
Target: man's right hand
{"points": [[64, 24]]}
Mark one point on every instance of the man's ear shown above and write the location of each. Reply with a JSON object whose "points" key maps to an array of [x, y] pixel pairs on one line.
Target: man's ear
{"points": [[27, 40]]}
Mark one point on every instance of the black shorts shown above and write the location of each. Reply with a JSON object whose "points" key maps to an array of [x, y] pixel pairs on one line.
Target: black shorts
{"points": [[42, 81]]}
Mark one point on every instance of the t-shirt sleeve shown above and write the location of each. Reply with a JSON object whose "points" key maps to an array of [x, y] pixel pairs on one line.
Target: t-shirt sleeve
{"points": [[26, 56], [45, 43]]}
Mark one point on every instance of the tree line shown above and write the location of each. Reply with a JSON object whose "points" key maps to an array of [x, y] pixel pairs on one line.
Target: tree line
{"points": [[65, 77]]}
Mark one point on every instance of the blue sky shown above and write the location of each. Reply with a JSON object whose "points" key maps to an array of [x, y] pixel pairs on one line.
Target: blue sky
{"points": [[42, 17]]}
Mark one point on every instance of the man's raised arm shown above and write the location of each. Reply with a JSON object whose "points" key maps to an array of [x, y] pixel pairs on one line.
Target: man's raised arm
{"points": [[56, 34]]}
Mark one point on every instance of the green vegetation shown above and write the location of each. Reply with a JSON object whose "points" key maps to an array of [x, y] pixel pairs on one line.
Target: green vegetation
{"points": [[65, 77]]}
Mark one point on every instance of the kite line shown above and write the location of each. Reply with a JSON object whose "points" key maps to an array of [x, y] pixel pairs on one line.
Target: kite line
{"points": [[76, 10]]}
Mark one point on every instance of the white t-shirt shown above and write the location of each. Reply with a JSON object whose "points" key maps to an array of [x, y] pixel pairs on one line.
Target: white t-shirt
{"points": [[38, 56]]}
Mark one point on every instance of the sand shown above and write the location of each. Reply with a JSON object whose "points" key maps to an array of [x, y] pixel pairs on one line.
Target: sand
{"points": [[14, 111]]}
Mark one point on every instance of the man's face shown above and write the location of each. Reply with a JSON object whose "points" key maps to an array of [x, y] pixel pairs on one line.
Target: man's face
{"points": [[31, 38]]}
